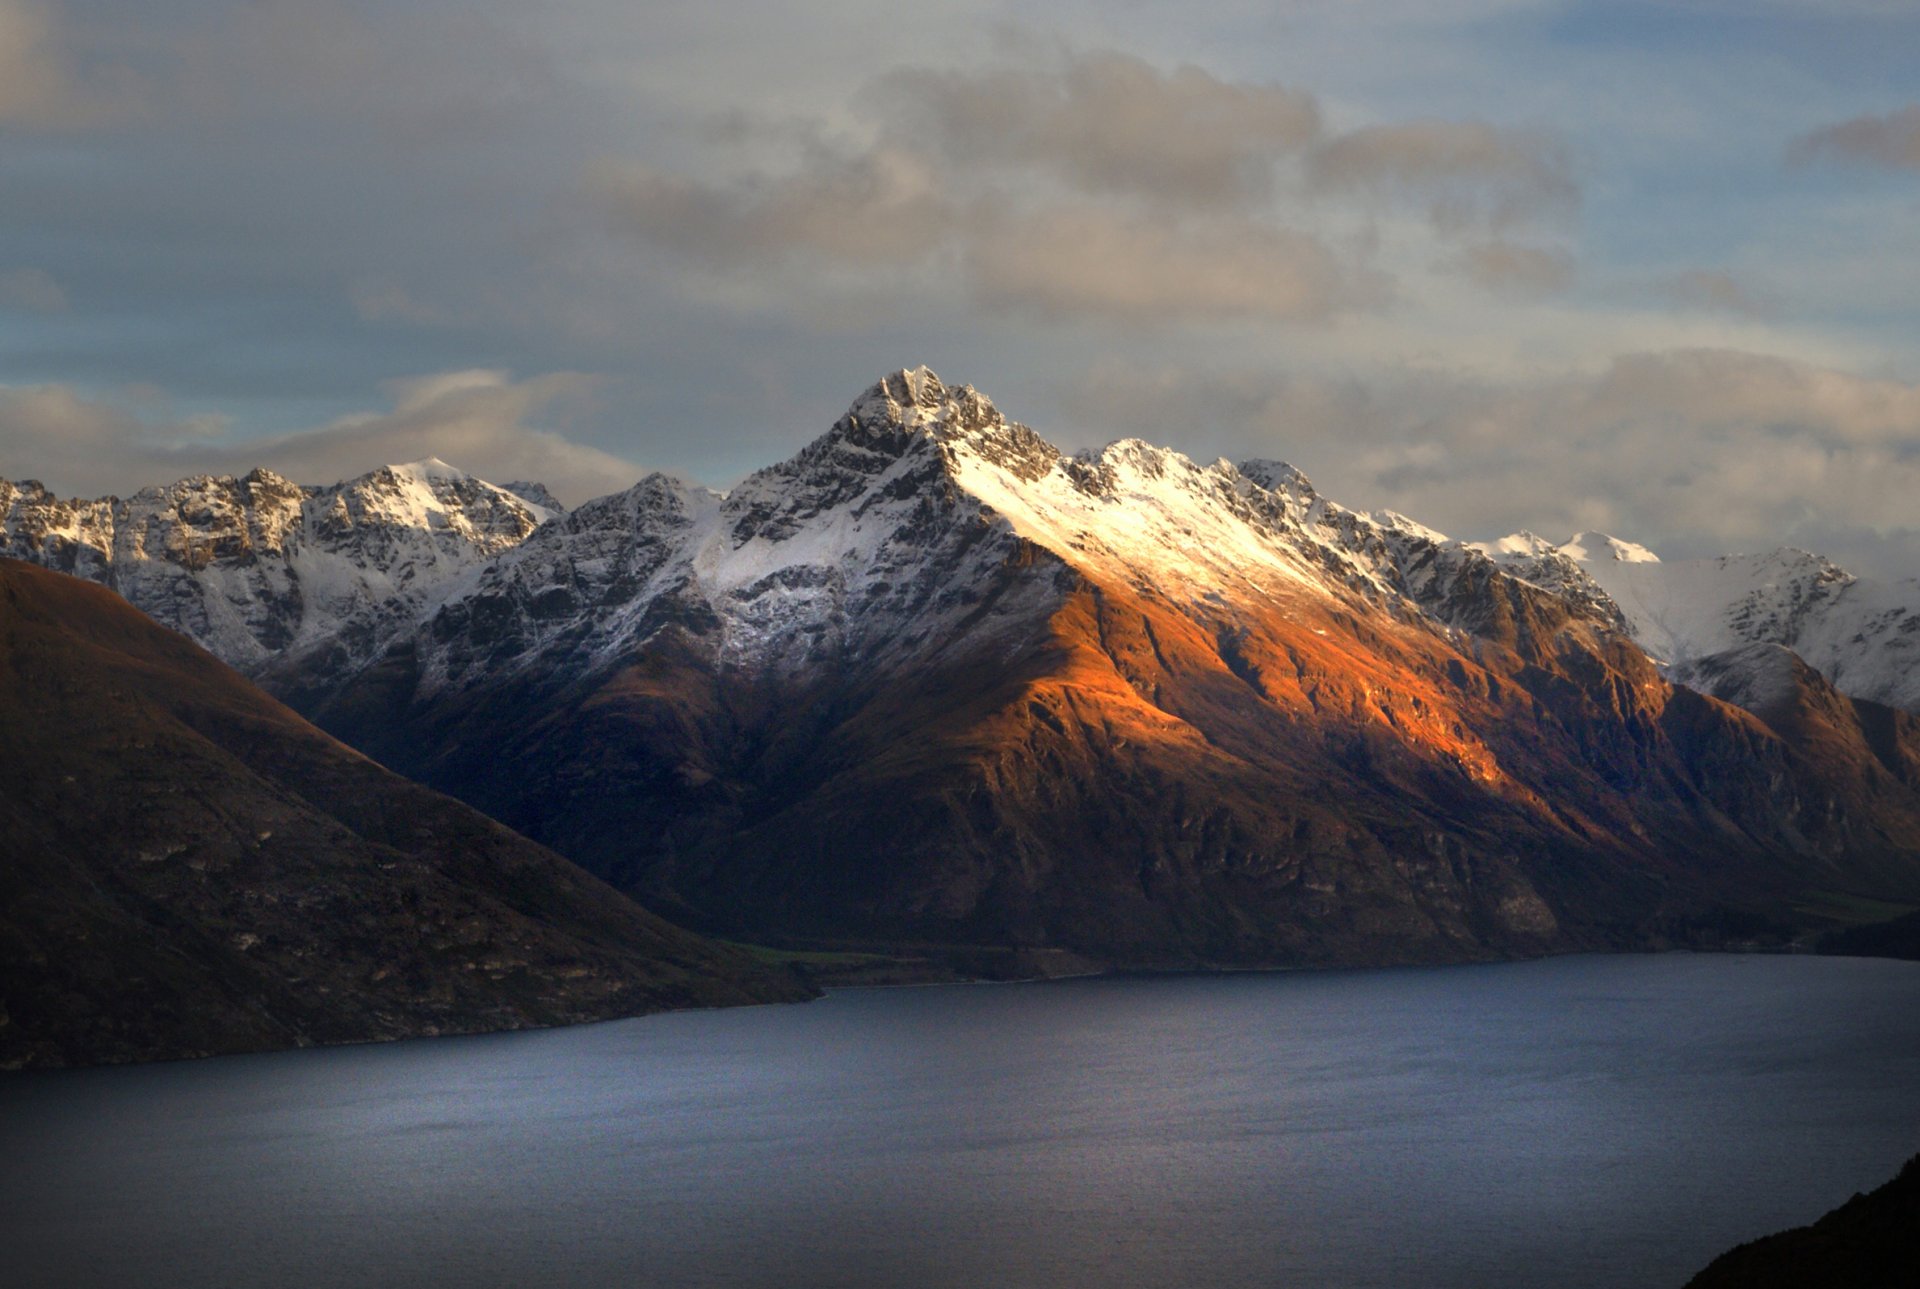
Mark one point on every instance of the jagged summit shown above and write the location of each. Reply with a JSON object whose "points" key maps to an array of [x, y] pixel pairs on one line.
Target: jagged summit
{"points": [[1279, 476], [913, 401], [890, 398], [257, 567], [881, 536], [537, 493]]}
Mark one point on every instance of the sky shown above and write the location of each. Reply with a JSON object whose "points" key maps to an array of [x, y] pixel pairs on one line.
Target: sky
{"points": [[1648, 268]]}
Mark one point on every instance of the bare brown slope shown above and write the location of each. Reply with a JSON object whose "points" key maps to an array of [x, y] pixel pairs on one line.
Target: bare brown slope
{"points": [[187, 867], [1306, 782]]}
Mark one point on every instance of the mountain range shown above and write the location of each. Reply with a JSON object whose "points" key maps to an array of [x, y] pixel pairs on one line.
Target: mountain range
{"points": [[261, 571], [934, 682]]}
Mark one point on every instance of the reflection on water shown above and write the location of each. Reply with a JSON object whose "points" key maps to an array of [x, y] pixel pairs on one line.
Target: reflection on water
{"points": [[1577, 1122]]}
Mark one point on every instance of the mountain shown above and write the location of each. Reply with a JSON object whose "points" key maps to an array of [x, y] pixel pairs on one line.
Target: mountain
{"points": [[187, 867], [1862, 635], [262, 571], [933, 681], [1870, 1242]]}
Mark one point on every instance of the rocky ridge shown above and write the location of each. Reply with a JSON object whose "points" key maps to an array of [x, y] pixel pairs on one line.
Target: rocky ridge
{"points": [[263, 571]]}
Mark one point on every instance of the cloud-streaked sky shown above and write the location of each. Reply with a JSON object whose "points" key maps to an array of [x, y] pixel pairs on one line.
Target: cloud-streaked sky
{"points": [[1555, 264]]}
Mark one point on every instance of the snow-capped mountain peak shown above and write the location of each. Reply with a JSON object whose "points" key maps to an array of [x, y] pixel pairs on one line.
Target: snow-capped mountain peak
{"points": [[873, 544], [872, 541], [257, 567]]}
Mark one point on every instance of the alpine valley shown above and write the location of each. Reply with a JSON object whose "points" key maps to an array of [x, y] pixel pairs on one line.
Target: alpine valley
{"points": [[934, 686]]}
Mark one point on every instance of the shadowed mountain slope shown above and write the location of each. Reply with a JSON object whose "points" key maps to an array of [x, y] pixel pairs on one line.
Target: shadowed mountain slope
{"points": [[187, 867]]}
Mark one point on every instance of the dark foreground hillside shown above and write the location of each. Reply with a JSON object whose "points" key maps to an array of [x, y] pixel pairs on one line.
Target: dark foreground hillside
{"points": [[187, 868], [1870, 1242]]}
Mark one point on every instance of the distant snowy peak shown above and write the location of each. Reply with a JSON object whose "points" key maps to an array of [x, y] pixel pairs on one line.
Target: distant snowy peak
{"points": [[255, 566], [1582, 548], [73, 536], [1862, 636], [433, 497], [536, 495]]}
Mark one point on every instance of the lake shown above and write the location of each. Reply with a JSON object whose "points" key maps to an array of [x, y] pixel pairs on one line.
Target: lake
{"points": [[1610, 1122]]}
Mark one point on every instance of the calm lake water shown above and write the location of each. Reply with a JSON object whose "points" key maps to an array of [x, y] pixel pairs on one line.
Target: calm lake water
{"points": [[1600, 1121]]}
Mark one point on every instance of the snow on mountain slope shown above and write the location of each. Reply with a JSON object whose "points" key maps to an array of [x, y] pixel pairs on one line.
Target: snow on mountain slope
{"points": [[934, 680], [875, 542], [256, 567], [872, 542], [1862, 636]]}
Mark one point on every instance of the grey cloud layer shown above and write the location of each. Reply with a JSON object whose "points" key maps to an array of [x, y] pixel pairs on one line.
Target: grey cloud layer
{"points": [[1109, 123], [1103, 187], [1468, 173]]}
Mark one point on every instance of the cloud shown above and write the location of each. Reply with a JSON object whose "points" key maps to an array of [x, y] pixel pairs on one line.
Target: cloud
{"points": [[1693, 452], [1712, 289], [72, 441], [864, 218], [482, 421], [1469, 174], [1516, 271], [1892, 141], [881, 207], [43, 85], [1108, 123], [1099, 190], [1729, 390], [1065, 261], [32, 291]]}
